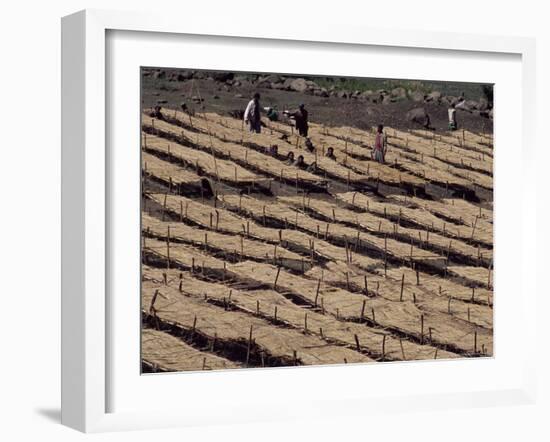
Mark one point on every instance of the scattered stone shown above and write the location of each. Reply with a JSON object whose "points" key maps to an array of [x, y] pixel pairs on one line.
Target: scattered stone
{"points": [[272, 78], [159, 75], [216, 97], [433, 97], [184, 75], [416, 96], [238, 95], [483, 104], [278, 86], [367, 95], [399, 92], [418, 115], [223, 76], [162, 101], [322, 92]]}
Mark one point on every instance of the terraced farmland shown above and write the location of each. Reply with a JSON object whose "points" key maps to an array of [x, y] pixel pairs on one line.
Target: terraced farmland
{"points": [[249, 261]]}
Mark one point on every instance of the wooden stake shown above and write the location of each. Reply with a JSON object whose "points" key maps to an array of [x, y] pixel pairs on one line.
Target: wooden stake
{"points": [[422, 329], [357, 342], [152, 306], [402, 287], [276, 278], [402, 350], [248, 347], [317, 292]]}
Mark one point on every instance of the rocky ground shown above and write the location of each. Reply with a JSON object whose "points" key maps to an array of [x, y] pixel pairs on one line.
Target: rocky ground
{"points": [[223, 92]]}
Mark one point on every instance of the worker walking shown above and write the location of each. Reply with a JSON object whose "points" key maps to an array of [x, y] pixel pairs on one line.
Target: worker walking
{"points": [[252, 114], [452, 118], [301, 118], [380, 145]]}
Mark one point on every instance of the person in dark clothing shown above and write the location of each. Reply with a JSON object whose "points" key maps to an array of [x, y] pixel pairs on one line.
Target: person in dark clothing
{"points": [[272, 114], [206, 189], [157, 113], [330, 154], [252, 114], [309, 145], [312, 167], [301, 118], [274, 150], [300, 162]]}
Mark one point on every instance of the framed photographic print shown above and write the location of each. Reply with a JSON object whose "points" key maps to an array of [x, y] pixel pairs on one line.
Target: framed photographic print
{"points": [[320, 229]]}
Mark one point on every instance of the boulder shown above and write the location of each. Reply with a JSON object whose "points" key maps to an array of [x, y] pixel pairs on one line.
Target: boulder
{"points": [[367, 95], [342, 94], [418, 115], [434, 97], [449, 99], [273, 78], [399, 92], [416, 96], [223, 76], [269, 80], [483, 104], [387, 99], [321, 92], [184, 75], [299, 85], [159, 75], [278, 86], [472, 105]]}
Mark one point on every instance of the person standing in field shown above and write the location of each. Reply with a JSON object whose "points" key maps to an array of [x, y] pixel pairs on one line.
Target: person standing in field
{"points": [[252, 114], [301, 118], [380, 145], [452, 117]]}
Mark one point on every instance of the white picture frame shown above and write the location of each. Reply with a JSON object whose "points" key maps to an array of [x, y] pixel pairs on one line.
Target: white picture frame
{"points": [[86, 351]]}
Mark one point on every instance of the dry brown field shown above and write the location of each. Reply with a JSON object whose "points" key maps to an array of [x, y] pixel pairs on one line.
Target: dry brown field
{"points": [[248, 261]]}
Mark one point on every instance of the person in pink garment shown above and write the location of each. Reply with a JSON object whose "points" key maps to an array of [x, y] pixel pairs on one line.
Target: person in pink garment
{"points": [[380, 145]]}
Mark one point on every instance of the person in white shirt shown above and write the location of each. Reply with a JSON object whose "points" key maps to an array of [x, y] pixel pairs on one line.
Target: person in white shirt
{"points": [[452, 117], [252, 114]]}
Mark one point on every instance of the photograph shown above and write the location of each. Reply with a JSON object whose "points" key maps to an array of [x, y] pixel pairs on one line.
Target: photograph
{"points": [[298, 220]]}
